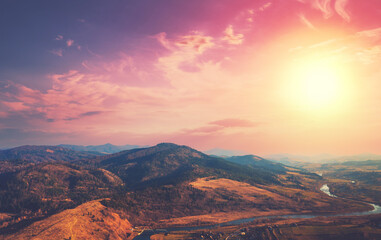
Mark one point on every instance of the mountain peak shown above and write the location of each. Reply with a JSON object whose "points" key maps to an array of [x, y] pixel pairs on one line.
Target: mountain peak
{"points": [[167, 145]]}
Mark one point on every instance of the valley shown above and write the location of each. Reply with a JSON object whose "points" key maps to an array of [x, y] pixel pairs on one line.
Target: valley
{"points": [[175, 188]]}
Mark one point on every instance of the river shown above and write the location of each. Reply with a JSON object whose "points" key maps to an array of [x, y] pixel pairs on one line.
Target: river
{"points": [[146, 234]]}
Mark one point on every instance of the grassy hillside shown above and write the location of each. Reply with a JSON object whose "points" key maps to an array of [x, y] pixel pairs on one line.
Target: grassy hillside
{"points": [[91, 220], [52, 186]]}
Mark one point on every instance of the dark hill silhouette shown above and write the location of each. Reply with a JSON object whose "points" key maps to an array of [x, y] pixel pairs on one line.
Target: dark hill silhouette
{"points": [[37, 154], [168, 163]]}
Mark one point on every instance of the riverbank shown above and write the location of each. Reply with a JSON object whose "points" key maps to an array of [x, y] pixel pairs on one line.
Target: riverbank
{"points": [[376, 210]]}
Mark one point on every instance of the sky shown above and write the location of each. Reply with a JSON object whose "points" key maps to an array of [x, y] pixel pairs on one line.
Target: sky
{"points": [[274, 76]]}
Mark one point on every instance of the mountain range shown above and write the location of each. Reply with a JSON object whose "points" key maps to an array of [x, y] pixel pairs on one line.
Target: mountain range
{"points": [[37, 154], [163, 185], [105, 148], [320, 158]]}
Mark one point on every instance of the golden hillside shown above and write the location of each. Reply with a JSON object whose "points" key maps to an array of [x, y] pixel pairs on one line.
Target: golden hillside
{"points": [[90, 220]]}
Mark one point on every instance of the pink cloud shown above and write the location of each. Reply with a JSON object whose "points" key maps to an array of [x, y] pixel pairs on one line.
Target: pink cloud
{"points": [[204, 130], [69, 42], [13, 92], [231, 38], [162, 39], [265, 6], [75, 95], [15, 106], [187, 55], [196, 42]]}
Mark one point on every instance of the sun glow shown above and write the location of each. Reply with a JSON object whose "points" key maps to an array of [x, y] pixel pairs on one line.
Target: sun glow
{"points": [[318, 84]]}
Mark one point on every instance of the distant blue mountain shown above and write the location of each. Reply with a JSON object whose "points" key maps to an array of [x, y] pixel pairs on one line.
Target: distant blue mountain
{"points": [[37, 154], [105, 148], [292, 159], [254, 161], [224, 152]]}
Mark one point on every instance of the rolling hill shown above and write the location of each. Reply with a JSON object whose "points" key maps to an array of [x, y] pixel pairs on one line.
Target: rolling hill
{"points": [[224, 152], [169, 163], [37, 154], [170, 181], [90, 220], [105, 148], [257, 162], [50, 187]]}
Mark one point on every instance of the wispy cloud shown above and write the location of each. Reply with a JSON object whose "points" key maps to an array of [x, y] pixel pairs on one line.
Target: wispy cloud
{"points": [[265, 6], [374, 34], [59, 37], [340, 7], [195, 42], [306, 22], [57, 52], [85, 114], [233, 122], [324, 6], [92, 113], [203, 130], [363, 47], [330, 7], [369, 55]]}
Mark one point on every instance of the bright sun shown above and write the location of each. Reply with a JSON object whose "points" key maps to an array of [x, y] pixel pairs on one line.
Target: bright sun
{"points": [[320, 84], [316, 84]]}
